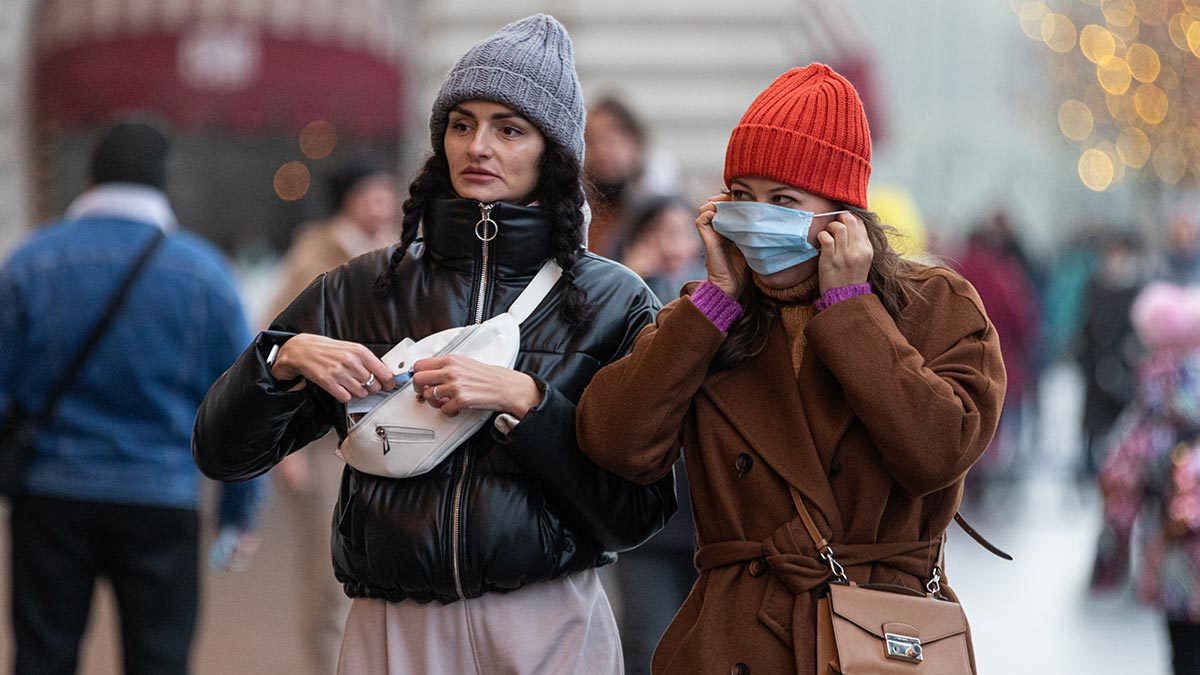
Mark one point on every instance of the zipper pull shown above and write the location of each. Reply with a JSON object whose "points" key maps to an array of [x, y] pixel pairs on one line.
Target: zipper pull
{"points": [[382, 433], [482, 231]]}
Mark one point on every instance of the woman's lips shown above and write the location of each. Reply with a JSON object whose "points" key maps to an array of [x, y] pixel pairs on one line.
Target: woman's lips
{"points": [[478, 176]]}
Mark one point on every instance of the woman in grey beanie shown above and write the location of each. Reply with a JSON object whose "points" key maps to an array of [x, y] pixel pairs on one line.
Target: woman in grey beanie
{"points": [[487, 563]]}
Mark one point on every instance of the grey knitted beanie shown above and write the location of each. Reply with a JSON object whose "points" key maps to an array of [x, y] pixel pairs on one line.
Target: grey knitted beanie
{"points": [[529, 66]]}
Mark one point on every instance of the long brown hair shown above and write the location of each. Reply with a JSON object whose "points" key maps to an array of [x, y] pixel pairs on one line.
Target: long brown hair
{"points": [[891, 280]]}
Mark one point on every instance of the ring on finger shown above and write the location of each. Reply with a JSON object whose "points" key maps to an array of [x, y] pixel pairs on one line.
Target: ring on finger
{"points": [[435, 394], [370, 381]]}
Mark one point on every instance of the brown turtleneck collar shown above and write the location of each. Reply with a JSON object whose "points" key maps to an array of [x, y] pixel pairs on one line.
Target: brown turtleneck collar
{"points": [[795, 310]]}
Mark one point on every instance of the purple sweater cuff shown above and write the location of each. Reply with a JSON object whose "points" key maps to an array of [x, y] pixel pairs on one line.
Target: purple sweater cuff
{"points": [[721, 309], [835, 295]]}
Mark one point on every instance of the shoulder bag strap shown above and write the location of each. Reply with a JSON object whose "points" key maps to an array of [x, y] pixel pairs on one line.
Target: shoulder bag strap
{"points": [[68, 375], [536, 291], [822, 543]]}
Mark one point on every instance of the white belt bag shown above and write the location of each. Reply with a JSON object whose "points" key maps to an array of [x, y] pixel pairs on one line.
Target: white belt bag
{"points": [[399, 436]]}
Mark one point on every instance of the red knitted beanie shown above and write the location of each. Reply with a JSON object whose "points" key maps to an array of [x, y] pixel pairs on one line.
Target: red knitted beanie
{"points": [[808, 130]]}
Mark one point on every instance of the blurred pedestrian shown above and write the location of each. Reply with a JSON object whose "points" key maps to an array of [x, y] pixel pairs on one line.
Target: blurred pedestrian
{"points": [[662, 247], [814, 366], [1065, 294], [1152, 474], [1180, 264], [487, 562], [622, 170], [363, 192], [1008, 294], [1108, 347], [110, 489]]}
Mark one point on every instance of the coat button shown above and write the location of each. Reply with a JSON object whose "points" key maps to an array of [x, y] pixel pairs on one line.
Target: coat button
{"points": [[743, 464], [758, 567], [835, 467], [740, 669]]}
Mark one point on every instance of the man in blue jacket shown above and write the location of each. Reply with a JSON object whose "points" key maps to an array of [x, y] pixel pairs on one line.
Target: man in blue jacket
{"points": [[110, 489]]}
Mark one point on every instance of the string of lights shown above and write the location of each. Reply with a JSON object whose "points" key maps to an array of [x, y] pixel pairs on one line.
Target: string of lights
{"points": [[1127, 75]]}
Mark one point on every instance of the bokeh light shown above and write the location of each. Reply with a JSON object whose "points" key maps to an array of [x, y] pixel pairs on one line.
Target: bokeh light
{"points": [[1058, 32], [1143, 61], [1133, 147], [1096, 43], [1193, 38], [1095, 170], [1113, 75], [318, 139], [292, 181], [1119, 13], [1151, 103], [1075, 120], [1177, 29]]}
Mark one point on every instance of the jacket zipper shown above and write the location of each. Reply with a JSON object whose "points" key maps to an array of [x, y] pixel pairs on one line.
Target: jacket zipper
{"points": [[485, 219], [485, 236]]}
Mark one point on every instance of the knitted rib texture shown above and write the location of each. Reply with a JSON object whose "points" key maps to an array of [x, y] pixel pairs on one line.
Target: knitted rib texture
{"points": [[529, 66], [807, 129]]}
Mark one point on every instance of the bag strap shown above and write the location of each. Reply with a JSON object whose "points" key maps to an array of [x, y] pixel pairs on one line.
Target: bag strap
{"points": [[826, 551], [822, 544], [536, 291], [974, 534], [69, 374]]}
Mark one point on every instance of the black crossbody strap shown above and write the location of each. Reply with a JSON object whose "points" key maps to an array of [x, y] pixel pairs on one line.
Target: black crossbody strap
{"points": [[89, 344]]}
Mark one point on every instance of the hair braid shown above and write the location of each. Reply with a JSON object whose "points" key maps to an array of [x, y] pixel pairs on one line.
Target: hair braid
{"points": [[429, 183], [561, 192]]}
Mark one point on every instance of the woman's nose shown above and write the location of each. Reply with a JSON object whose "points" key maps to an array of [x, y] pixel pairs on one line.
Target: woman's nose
{"points": [[479, 147]]}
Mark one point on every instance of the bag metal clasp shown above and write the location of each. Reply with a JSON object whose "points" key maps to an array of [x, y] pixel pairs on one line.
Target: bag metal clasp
{"points": [[904, 648]]}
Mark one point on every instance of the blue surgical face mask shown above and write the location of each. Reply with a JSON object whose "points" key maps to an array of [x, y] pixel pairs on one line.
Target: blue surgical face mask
{"points": [[771, 238]]}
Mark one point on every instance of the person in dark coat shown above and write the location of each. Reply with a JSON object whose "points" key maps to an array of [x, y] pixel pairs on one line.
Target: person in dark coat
{"points": [[488, 561], [1109, 349]]}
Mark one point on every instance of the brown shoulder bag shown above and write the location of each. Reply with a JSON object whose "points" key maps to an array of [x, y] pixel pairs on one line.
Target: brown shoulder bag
{"points": [[880, 630]]}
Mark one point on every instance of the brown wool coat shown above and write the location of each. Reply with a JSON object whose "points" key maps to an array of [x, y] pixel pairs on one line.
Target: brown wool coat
{"points": [[876, 432]]}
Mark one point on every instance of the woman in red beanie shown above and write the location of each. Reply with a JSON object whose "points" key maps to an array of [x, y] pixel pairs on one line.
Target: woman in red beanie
{"points": [[813, 362]]}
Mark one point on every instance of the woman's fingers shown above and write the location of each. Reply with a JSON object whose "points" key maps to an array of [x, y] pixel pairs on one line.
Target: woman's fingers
{"points": [[827, 245], [840, 234]]}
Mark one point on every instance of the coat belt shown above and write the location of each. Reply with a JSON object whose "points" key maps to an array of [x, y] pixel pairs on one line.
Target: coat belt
{"points": [[797, 570]]}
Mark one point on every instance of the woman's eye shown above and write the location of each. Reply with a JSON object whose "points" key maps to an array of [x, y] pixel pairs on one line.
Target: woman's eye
{"points": [[741, 196], [512, 132], [460, 126], [782, 200]]}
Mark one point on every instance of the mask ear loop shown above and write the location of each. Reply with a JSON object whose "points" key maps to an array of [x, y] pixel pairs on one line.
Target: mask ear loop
{"points": [[831, 213]]}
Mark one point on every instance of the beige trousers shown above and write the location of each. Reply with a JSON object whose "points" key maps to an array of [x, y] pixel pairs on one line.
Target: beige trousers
{"points": [[559, 627], [323, 604]]}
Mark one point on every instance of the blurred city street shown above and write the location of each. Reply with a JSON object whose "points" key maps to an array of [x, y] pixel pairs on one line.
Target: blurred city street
{"points": [[1039, 159]]}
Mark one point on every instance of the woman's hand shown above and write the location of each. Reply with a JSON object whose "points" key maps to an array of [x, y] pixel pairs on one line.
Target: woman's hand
{"points": [[726, 267], [454, 383], [347, 370], [846, 253]]}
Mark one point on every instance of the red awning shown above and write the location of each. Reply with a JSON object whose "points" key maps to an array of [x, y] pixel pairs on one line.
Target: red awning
{"points": [[226, 77]]}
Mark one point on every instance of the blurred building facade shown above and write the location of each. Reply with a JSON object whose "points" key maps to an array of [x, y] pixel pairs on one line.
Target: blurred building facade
{"points": [[260, 93], [957, 89]]}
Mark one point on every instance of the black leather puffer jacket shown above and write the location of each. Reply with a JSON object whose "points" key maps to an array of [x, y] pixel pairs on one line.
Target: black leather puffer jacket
{"points": [[502, 511]]}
